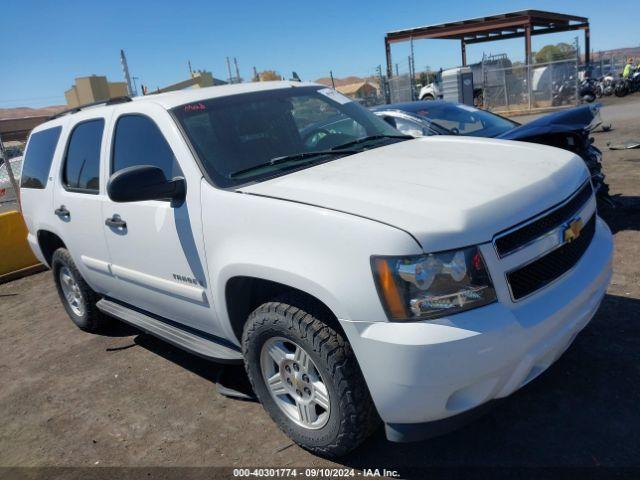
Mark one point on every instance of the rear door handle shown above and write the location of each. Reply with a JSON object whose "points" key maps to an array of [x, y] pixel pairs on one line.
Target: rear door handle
{"points": [[115, 222], [62, 212]]}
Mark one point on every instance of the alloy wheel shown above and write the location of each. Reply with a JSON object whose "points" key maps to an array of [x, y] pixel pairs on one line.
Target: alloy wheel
{"points": [[294, 382]]}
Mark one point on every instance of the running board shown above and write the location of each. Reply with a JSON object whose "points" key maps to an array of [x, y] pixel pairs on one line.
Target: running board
{"points": [[179, 337]]}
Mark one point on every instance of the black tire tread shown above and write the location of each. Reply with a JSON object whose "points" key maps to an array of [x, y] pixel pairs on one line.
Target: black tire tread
{"points": [[94, 320], [302, 318]]}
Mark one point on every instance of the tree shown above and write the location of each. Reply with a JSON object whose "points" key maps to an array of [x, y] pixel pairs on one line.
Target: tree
{"points": [[269, 75], [552, 53], [426, 77]]}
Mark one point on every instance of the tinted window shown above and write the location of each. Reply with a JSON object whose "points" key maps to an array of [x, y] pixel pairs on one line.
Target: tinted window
{"points": [[82, 161], [464, 120], [138, 141], [37, 162], [237, 136]]}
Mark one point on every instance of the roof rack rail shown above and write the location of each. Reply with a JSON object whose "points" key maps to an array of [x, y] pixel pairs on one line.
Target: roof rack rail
{"points": [[110, 101]]}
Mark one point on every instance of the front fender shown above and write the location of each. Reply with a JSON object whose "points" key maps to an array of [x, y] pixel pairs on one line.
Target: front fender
{"points": [[321, 252]]}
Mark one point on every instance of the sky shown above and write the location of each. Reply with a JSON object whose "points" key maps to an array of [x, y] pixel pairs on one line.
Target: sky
{"points": [[44, 44]]}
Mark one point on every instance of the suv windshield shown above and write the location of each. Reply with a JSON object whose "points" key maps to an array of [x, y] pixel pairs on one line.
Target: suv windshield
{"points": [[253, 136]]}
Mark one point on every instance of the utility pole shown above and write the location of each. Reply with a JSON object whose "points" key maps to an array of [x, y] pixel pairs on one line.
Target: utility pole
{"points": [[577, 70], [256, 77], [333, 83], [235, 61], [125, 69], [229, 70], [384, 87], [410, 79], [412, 58], [190, 69]]}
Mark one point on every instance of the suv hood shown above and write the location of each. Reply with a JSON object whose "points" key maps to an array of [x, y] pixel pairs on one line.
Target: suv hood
{"points": [[446, 191]]}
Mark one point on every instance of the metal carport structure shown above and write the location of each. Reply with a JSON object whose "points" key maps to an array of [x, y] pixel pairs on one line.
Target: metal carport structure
{"points": [[524, 23]]}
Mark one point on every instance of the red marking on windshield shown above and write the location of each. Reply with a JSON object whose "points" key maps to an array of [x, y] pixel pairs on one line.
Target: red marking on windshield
{"points": [[195, 107], [422, 113]]}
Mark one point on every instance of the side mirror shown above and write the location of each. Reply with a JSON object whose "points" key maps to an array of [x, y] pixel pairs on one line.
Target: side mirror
{"points": [[144, 182], [390, 120]]}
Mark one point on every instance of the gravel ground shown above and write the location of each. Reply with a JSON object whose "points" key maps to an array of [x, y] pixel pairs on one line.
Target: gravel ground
{"points": [[71, 399]]}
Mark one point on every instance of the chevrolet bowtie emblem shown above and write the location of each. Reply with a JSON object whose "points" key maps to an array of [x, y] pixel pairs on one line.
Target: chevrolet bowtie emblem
{"points": [[572, 230]]}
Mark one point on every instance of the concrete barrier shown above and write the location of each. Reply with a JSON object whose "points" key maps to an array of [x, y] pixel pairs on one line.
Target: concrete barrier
{"points": [[16, 257]]}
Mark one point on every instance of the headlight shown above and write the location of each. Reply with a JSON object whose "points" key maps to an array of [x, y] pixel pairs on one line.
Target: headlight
{"points": [[432, 285]]}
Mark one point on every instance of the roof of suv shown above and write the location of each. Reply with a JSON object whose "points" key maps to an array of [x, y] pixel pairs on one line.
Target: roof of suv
{"points": [[173, 99], [170, 100]]}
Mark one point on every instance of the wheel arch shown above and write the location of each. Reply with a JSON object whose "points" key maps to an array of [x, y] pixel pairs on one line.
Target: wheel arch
{"points": [[49, 242], [244, 293]]}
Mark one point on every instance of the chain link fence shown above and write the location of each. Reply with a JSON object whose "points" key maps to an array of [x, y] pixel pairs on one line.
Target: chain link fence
{"points": [[9, 184], [522, 87], [401, 88], [607, 65]]}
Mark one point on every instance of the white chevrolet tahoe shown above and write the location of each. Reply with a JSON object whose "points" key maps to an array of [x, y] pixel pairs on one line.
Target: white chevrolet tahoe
{"points": [[358, 274]]}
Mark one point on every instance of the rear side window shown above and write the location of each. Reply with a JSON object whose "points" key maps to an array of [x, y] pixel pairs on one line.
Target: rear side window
{"points": [[82, 161], [139, 141], [37, 161]]}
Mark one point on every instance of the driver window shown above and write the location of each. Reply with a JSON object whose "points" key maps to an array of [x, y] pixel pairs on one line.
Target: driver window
{"points": [[139, 141], [316, 120]]}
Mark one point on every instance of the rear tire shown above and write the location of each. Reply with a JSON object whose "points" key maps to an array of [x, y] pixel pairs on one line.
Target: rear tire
{"points": [[427, 97], [297, 328], [77, 297]]}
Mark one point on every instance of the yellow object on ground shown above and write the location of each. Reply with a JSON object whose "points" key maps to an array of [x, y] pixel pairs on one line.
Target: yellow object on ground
{"points": [[15, 253]]}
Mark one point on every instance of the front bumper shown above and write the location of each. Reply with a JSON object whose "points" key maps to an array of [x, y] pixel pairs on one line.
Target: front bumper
{"points": [[427, 371]]}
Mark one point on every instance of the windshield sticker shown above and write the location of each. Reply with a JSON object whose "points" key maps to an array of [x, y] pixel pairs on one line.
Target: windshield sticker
{"points": [[468, 108], [195, 107], [335, 96]]}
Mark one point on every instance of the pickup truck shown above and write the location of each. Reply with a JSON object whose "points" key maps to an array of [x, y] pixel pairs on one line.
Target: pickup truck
{"points": [[360, 275]]}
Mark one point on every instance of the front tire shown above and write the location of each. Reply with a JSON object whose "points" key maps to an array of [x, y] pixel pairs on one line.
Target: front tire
{"points": [[306, 376], [77, 297]]}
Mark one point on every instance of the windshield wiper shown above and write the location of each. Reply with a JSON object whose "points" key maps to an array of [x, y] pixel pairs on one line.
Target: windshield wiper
{"points": [[369, 138], [289, 158]]}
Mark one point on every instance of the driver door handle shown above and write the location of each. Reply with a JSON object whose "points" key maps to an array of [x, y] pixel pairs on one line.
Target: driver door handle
{"points": [[115, 222], [62, 212]]}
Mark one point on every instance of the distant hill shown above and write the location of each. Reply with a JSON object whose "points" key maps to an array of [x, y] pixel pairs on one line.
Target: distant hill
{"points": [[21, 112], [345, 81], [616, 52]]}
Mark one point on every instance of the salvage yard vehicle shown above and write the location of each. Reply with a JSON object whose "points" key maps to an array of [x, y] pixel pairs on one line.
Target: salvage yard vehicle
{"points": [[568, 129], [7, 192], [360, 275]]}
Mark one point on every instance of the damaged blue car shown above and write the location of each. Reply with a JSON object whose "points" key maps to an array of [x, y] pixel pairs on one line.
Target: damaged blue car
{"points": [[568, 129]]}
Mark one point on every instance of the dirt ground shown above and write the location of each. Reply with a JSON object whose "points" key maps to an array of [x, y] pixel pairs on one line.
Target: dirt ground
{"points": [[71, 399]]}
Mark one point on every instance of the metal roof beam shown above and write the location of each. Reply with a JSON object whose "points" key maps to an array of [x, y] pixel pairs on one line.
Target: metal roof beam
{"points": [[457, 31], [541, 31]]}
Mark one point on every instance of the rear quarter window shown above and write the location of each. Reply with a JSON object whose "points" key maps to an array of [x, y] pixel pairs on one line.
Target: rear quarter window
{"points": [[37, 161]]}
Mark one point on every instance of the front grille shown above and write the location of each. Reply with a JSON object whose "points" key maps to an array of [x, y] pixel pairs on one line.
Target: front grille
{"points": [[520, 237], [545, 270]]}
